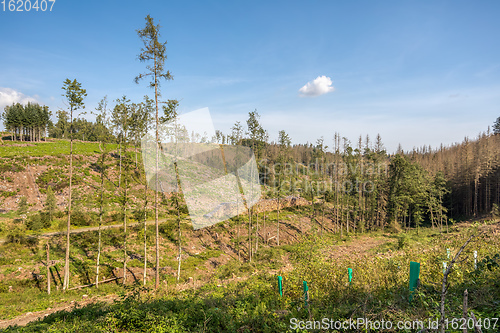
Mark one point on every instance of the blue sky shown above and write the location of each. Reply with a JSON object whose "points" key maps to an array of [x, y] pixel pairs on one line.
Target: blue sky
{"points": [[417, 72]]}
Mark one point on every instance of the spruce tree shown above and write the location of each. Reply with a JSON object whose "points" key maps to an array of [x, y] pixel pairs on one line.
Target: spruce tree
{"points": [[154, 51]]}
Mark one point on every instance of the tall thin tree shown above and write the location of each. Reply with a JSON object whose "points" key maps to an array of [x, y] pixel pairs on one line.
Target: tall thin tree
{"points": [[74, 94], [155, 51], [103, 136]]}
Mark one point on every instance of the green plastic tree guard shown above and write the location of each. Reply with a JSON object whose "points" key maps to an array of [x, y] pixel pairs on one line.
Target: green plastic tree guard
{"points": [[306, 293], [349, 270], [414, 277], [280, 285]]}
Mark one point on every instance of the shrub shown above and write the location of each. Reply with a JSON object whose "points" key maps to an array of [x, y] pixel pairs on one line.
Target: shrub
{"points": [[495, 211], [54, 177], [34, 222], [7, 194], [59, 214], [11, 167], [402, 242], [79, 218], [138, 214], [168, 230], [17, 235], [45, 219]]}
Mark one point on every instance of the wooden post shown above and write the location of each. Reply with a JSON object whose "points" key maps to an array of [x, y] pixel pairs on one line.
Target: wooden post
{"points": [[48, 269]]}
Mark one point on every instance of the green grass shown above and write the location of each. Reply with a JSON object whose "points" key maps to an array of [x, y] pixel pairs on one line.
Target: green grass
{"points": [[380, 281], [379, 291], [33, 299], [53, 148]]}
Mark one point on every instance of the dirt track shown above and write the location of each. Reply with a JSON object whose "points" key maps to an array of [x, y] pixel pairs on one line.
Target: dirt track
{"points": [[32, 316]]}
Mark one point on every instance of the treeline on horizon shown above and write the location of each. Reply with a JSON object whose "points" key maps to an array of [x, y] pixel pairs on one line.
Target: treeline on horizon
{"points": [[422, 185]]}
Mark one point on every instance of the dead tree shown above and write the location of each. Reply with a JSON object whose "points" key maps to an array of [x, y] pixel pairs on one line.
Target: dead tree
{"points": [[444, 288]]}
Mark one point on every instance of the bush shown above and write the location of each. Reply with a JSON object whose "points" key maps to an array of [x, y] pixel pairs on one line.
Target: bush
{"points": [[138, 213], [117, 216], [34, 222], [11, 167], [7, 194], [495, 211], [168, 230], [17, 235], [52, 177], [45, 219], [402, 242], [59, 214], [79, 218]]}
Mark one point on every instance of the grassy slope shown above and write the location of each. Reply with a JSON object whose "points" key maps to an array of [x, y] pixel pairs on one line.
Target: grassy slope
{"points": [[51, 148], [243, 297], [230, 296]]}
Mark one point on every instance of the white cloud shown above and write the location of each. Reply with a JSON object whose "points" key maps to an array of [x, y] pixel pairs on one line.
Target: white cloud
{"points": [[319, 86], [9, 96]]}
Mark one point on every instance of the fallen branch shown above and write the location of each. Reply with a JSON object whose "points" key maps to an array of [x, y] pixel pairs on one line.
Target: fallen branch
{"points": [[477, 327], [92, 284]]}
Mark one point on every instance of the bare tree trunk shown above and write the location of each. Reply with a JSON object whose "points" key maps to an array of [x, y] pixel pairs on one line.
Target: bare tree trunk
{"points": [[179, 240], [136, 154], [120, 173], [239, 224], [322, 217], [476, 181], [249, 234], [440, 215], [100, 220], [278, 223], [257, 232], [157, 265], [48, 269], [125, 255], [432, 218], [145, 230], [66, 264], [444, 287], [265, 233], [347, 220]]}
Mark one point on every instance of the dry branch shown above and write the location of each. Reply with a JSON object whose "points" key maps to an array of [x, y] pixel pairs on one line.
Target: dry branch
{"points": [[92, 284]]}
